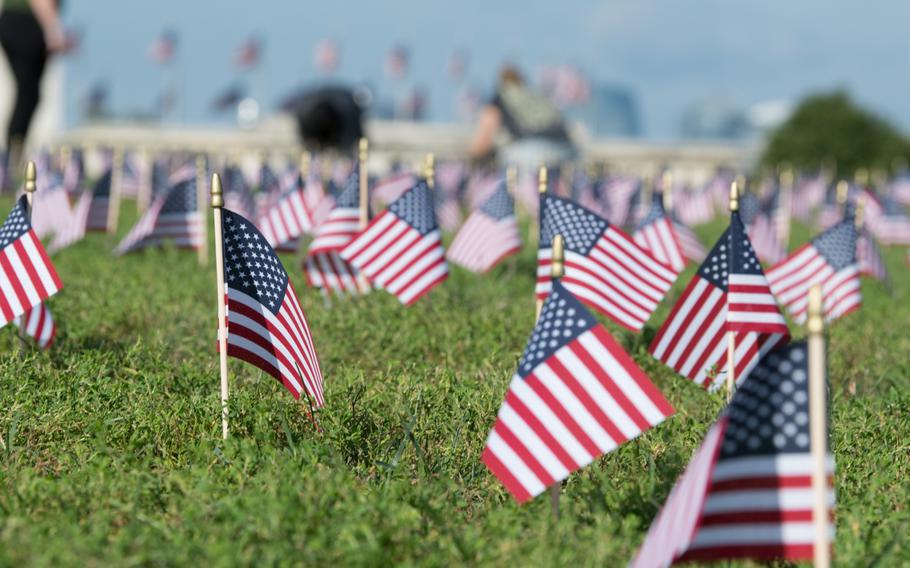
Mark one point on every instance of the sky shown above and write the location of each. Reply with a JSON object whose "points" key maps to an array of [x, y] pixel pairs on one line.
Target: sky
{"points": [[669, 53]]}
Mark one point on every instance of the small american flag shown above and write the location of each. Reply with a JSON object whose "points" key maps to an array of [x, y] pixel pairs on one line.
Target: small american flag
{"points": [[164, 47], [620, 191], [808, 194], [50, 210], [287, 219], [237, 195], [391, 188], [892, 226], [27, 277], [265, 324], [830, 260], [750, 304], [604, 267], [401, 249], [100, 202], [489, 235], [656, 233], [74, 229], [173, 216], [747, 492], [324, 267], [38, 324], [693, 339], [869, 258], [248, 53], [344, 220], [575, 396], [73, 171]]}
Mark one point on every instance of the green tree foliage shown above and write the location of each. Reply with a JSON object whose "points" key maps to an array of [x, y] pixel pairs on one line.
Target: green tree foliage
{"points": [[831, 126]]}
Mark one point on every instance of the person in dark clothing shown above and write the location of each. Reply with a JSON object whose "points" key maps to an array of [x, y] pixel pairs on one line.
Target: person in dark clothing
{"points": [[329, 118], [29, 31], [535, 127]]}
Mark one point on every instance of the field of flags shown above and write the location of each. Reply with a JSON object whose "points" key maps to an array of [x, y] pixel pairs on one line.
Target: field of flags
{"points": [[331, 278]]}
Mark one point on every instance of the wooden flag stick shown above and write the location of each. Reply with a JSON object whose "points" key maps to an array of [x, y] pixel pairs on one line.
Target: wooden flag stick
{"points": [[362, 157], [363, 149], [429, 170], [843, 189], [305, 164], [557, 270], [511, 180], [113, 206], [818, 427], [859, 219], [144, 194], [731, 337], [534, 226], [217, 204], [203, 250], [668, 191], [31, 175], [786, 192]]}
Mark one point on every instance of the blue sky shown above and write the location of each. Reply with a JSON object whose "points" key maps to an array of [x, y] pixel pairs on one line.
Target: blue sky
{"points": [[670, 53]]}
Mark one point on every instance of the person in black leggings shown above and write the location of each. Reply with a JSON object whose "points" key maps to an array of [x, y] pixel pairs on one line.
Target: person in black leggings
{"points": [[29, 31]]}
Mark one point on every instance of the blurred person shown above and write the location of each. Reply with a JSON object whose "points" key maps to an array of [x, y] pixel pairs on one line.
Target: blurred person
{"points": [[330, 117], [30, 30], [535, 127]]}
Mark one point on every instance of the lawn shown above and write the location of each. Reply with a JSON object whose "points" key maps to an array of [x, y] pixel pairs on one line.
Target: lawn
{"points": [[112, 454]]}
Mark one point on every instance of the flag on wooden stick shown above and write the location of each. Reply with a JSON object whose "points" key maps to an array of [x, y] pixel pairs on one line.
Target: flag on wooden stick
{"points": [[489, 235], [265, 324], [575, 396], [38, 324], [174, 216], [605, 268], [401, 249], [27, 276], [748, 490]]}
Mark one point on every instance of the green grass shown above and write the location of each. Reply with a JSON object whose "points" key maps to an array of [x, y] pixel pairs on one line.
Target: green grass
{"points": [[111, 447]]}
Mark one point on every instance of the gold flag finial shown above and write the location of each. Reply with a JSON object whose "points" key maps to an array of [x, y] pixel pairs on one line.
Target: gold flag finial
{"points": [[816, 317], [734, 196], [858, 218], [31, 174], [786, 177], [843, 188], [557, 262], [542, 179], [362, 148], [217, 194], [511, 179], [429, 170], [861, 177]]}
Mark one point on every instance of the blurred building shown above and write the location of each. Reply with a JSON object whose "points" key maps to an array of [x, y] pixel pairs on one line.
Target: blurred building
{"points": [[724, 119], [610, 111]]}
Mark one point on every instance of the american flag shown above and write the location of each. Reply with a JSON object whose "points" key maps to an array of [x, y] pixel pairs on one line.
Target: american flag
{"points": [[830, 260], [448, 211], [248, 53], [73, 171], [324, 267], [74, 230], [50, 210], [270, 189], [693, 339], [869, 258], [265, 324], [237, 195], [619, 193], [657, 234], [28, 277], [694, 206], [747, 493], [391, 188], [892, 226], [38, 324], [604, 267], [164, 47], [489, 235], [287, 219], [100, 202], [401, 249], [807, 195], [750, 304], [575, 396], [344, 220], [173, 216], [396, 64], [327, 55], [899, 188]]}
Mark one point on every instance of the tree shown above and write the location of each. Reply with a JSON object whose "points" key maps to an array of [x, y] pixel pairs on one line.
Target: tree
{"points": [[830, 126]]}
